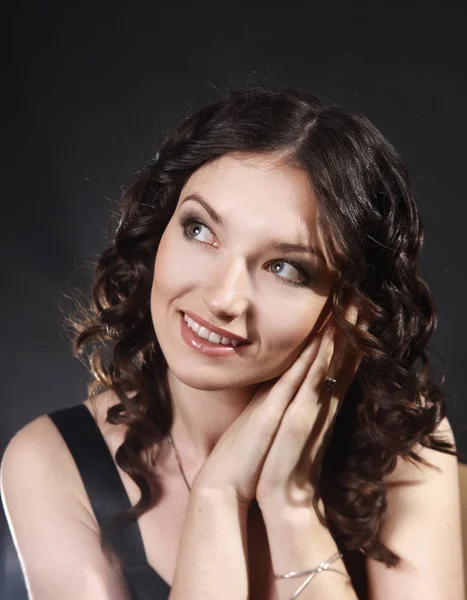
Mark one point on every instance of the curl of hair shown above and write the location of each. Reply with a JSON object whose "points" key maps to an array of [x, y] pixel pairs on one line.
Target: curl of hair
{"points": [[374, 236]]}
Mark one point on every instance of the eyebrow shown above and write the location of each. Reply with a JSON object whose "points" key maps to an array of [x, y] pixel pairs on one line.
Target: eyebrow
{"points": [[271, 245]]}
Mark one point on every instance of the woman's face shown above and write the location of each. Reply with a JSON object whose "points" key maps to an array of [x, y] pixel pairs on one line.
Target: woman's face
{"points": [[232, 276]]}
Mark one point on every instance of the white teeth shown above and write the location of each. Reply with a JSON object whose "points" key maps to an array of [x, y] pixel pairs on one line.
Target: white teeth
{"points": [[208, 335], [215, 338], [203, 333]]}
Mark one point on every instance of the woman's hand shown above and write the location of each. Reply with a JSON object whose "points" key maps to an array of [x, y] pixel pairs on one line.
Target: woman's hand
{"points": [[292, 466], [279, 420]]}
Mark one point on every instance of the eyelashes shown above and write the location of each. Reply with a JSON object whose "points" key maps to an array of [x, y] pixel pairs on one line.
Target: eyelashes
{"points": [[191, 219]]}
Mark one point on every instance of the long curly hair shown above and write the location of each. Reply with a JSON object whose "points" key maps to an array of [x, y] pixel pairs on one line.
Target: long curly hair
{"points": [[374, 236]]}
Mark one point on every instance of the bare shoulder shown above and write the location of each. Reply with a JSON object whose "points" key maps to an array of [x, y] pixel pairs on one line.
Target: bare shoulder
{"points": [[406, 471], [51, 520], [38, 452], [37, 457], [422, 525]]}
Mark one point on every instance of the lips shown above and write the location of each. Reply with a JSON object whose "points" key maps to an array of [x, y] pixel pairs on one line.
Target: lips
{"points": [[214, 329], [205, 347]]}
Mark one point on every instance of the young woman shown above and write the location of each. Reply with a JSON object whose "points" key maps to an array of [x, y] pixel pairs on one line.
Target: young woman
{"points": [[263, 421]]}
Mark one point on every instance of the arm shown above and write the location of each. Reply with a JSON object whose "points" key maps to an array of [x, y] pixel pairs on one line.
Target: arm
{"points": [[299, 542], [55, 535], [423, 526], [211, 561]]}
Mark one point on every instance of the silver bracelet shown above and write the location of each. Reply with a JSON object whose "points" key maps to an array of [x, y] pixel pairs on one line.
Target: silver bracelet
{"points": [[324, 566]]}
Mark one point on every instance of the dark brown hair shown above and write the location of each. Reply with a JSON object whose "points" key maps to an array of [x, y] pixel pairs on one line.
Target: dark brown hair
{"points": [[366, 205]]}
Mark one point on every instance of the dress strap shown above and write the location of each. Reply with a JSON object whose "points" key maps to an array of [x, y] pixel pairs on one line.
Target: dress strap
{"points": [[101, 479]]}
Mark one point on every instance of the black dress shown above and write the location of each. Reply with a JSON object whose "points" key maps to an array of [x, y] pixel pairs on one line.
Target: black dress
{"points": [[108, 496]]}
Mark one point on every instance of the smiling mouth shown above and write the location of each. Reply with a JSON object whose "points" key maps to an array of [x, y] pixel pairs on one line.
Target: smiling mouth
{"points": [[204, 333]]}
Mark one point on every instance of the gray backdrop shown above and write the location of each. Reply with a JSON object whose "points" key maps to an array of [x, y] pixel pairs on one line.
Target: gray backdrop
{"points": [[90, 90]]}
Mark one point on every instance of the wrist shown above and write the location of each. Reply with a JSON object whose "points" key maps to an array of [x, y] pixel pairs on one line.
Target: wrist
{"points": [[292, 511], [216, 497], [299, 542]]}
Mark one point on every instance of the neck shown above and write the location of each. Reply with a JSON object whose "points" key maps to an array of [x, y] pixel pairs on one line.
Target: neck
{"points": [[202, 416]]}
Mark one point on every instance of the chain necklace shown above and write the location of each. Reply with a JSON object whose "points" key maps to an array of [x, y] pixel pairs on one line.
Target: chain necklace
{"points": [[252, 506], [178, 461]]}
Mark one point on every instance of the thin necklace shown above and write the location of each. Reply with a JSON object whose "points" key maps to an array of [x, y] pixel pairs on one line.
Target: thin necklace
{"points": [[178, 461], [252, 506]]}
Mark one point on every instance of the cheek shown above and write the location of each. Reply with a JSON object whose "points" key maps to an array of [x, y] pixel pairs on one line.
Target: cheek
{"points": [[173, 266], [290, 324], [288, 330]]}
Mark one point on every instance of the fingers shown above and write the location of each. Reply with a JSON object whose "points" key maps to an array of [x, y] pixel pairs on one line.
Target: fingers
{"points": [[326, 355], [320, 367], [342, 361], [308, 421], [295, 372], [333, 360], [285, 388]]}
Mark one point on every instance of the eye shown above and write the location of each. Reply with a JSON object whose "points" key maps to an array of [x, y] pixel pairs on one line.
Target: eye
{"points": [[188, 222], [304, 277], [191, 223]]}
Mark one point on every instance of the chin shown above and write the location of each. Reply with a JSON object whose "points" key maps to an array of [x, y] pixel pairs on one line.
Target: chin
{"points": [[206, 381], [208, 384]]}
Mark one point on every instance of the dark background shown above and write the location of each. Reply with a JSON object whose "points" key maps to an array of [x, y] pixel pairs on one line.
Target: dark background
{"points": [[90, 91]]}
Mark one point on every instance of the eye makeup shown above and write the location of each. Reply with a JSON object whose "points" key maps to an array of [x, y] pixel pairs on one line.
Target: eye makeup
{"points": [[190, 218]]}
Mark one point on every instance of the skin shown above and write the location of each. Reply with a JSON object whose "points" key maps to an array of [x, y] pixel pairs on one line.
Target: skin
{"points": [[230, 279]]}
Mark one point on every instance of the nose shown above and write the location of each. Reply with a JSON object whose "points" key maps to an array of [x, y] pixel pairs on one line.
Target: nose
{"points": [[228, 290]]}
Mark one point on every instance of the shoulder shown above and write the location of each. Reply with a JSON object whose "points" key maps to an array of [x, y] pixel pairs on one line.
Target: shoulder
{"points": [[37, 456], [37, 453], [406, 470], [37, 464], [422, 524], [31, 445], [51, 520]]}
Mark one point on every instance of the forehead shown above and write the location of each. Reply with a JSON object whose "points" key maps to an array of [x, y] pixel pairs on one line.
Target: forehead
{"points": [[261, 187]]}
